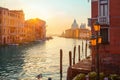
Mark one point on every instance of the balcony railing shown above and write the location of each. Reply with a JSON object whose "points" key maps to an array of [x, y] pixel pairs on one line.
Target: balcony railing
{"points": [[90, 20], [103, 20]]}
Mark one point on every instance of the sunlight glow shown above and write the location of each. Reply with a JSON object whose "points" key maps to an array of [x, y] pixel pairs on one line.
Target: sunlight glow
{"points": [[57, 14], [46, 14]]}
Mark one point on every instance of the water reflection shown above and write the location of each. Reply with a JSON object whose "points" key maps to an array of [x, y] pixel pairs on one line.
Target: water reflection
{"points": [[25, 62], [11, 61]]}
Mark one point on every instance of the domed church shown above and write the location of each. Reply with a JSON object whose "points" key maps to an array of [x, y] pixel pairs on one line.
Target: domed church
{"points": [[74, 24], [77, 32]]}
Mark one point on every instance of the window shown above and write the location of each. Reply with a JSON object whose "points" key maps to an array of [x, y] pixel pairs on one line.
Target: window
{"points": [[103, 8], [104, 34]]}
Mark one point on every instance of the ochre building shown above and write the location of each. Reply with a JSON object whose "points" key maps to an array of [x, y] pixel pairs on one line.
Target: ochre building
{"points": [[15, 30], [76, 32], [36, 29], [11, 24]]}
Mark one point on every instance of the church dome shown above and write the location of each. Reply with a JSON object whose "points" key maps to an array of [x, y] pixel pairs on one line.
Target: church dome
{"points": [[74, 25], [82, 26]]}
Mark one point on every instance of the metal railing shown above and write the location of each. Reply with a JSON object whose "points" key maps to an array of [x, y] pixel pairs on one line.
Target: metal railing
{"points": [[103, 20]]}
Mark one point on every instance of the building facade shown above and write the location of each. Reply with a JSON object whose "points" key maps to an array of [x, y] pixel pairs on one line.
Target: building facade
{"points": [[77, 32], [107, 14], [15, 30], [36, 29], [11, 22]]}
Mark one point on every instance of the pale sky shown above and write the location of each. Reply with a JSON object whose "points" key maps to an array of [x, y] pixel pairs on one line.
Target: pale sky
{"points": [[58, 14]]}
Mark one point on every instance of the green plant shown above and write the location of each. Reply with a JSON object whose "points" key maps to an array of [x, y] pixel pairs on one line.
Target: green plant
{"points": [[114, 77], [80, 77], [102, 75], [92, 75]]}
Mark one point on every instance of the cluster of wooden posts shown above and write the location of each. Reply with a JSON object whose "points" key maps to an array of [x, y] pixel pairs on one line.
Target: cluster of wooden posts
{"points": [[70, 56]]}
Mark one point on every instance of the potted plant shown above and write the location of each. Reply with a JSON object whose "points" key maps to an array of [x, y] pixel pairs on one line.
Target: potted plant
{"points": [[114, 77], [92, 75], [80, 76], [102, 76]]}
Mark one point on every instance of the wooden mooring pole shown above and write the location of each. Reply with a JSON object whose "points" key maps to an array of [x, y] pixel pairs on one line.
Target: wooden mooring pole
{"points": [[82, 47], [74, 55], [61, 55], [79, 53], [86, 50], [70, 58]]}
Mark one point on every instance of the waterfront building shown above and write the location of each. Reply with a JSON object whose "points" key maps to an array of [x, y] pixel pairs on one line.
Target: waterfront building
{"points": [[10, 22], [83, 26], [84, 33], [15, 30], [73, 32], [74, 24], [107, 14], [76, 32], [36, 29]]}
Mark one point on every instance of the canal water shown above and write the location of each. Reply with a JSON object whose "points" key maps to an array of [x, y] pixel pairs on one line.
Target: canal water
{"points": [[26, 61]]}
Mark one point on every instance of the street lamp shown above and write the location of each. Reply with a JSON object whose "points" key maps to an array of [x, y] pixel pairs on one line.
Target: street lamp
{"points": [[95, 41], [97, 27]]}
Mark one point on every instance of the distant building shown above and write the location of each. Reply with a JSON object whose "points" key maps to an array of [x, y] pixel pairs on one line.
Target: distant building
{"points": [[15, 30], [74, 25], [76, 32], [84, 33], [11, 24], [73, 32], [36, 29], [83, 26], [107, 14]]}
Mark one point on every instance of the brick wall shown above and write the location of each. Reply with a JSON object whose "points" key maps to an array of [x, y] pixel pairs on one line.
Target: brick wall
{"points": [[110, 63], [115, 26], [94, 9]]}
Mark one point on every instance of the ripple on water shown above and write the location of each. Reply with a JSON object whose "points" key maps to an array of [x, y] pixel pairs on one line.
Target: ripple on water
{"points": [[26, 61]]}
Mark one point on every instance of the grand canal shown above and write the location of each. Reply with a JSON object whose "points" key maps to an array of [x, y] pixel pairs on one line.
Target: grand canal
{"points": [[26, 61]]}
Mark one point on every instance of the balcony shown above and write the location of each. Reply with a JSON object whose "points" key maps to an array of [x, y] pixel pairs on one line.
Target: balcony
{"points": [[91, 20], [103, 20]]}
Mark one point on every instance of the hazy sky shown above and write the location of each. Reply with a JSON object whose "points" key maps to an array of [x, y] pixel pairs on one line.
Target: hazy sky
{"points": [[58, 14]]}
